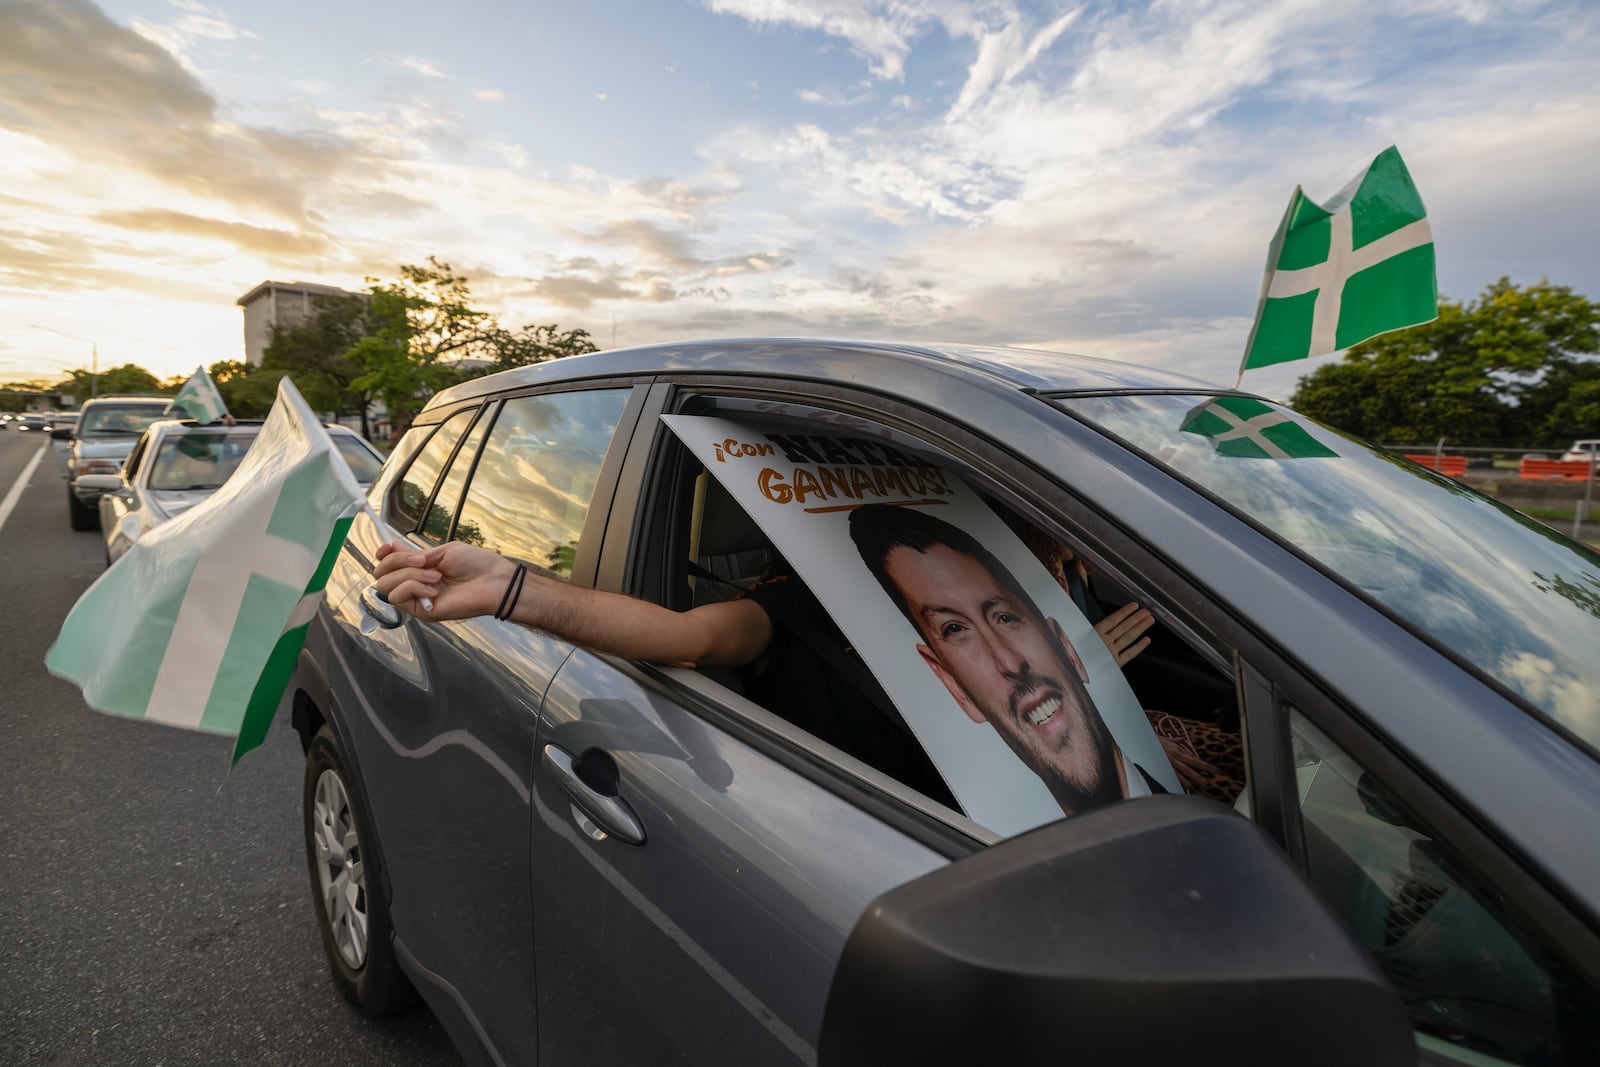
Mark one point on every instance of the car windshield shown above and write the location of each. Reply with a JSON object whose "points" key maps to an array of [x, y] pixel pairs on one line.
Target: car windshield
{"points": [[113, 419], [198, 460], [1506, 594], [363, 464]]}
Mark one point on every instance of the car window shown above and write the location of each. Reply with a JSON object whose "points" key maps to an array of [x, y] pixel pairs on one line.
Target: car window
{"points": [[532, 489], [1481, 986], [130, 466], [363, 464], [1179, 704], [198, 461], [1504, 594], [113, 419], [436, 525], [410, 498]]}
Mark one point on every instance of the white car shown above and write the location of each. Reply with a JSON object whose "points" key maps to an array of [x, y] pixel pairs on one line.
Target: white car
{"points": [[1583, 451], [178, 463]]}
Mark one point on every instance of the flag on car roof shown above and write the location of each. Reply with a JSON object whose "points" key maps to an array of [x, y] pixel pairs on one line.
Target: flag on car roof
{"points": [[200, 399], [1247, 428], [1346, 270], [199, 625]]}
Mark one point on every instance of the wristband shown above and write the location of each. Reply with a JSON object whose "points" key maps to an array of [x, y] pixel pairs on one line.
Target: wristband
{"points": [[513, 593]]}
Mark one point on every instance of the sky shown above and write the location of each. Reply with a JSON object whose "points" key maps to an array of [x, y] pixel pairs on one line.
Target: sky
{"points": [[1100, 178]]}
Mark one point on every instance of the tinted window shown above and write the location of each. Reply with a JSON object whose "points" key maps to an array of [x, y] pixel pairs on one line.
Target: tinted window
{"points": [[532, 488], [1472, 974], [112, 419], [437, 524], [411, 497], [1508, 595]]}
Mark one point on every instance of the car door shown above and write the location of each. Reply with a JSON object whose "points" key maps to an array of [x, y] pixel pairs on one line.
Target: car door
{"points": [[444, 713], [699, 861]]}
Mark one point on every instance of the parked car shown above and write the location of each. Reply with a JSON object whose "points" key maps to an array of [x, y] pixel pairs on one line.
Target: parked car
{"points": [[178, 463], [1583, 451], [106, 431], [577, 858]]}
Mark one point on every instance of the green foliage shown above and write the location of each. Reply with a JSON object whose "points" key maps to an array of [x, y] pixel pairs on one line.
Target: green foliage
{"points": [[249, 391], [533, 344], [1513, 366]]}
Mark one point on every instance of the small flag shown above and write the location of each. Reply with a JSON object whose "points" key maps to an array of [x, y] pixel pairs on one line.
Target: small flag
{"points": [[1338, 273], [199, 399], [1250, 429], [199, 625]]}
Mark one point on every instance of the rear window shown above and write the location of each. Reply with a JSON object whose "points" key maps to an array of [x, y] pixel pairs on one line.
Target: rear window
{"points": [[113, 419], [363, 463], [1504, 593]]}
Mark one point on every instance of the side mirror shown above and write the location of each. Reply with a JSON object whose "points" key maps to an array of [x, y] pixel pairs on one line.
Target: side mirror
{"points": [[1161, 930], [61, 433]]}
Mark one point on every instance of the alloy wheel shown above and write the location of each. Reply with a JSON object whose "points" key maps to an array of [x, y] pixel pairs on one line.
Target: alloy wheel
{"points": [[341, 875]]}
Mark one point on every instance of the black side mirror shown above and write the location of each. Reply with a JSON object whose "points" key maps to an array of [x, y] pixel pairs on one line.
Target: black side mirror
{"points": [[61, 433], [1161, 930]]}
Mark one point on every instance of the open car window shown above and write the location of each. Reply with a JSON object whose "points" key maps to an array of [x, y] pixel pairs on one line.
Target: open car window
{"points": [[1000, 677]]}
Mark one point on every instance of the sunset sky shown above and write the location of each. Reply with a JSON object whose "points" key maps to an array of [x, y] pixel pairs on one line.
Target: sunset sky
{"points": [[1100, 178]]}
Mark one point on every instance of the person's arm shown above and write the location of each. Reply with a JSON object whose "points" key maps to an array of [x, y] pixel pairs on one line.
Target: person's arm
{"points": [[463, 581]]}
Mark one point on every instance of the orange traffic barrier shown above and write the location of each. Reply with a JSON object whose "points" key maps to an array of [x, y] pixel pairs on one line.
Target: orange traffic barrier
{"points": [[1554, 470], [1449, 466]]}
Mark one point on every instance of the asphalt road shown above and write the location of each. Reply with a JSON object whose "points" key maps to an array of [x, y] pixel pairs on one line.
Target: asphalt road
{"points": [[153, 908]]}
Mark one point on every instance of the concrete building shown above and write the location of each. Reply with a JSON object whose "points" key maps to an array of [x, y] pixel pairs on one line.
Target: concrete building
{"points": [[278, 304]]}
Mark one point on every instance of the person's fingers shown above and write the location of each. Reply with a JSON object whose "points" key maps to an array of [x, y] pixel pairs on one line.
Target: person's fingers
{"points": [[388, 584], [405, 595], [1130, 652], [397, 559]]}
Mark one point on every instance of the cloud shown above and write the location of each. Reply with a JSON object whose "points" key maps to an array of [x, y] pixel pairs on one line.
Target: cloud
{"points": [[241, 235], [490, 96], [417, 65]]}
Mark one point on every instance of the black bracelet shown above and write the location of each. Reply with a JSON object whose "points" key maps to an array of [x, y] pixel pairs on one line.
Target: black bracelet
{"points": [[513, 593]]}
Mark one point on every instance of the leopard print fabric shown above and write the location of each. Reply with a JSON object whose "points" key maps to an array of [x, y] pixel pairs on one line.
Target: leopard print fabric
{"points": [[1209, 760]]}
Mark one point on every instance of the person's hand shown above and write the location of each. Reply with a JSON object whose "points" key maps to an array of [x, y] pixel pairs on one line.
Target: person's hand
{"points": [[1123, 631], [460, 581]]}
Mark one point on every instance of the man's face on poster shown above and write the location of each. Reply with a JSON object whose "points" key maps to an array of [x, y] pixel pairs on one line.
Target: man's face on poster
{"points": [[1008, 666]]}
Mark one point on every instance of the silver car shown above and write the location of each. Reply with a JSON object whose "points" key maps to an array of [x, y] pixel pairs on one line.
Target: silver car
{"points": [[577, 858], [176, 464], [106, 431]]}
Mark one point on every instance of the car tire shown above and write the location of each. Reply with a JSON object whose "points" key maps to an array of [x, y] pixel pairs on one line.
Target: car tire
{"points": [[352, 913], [81, 517]]}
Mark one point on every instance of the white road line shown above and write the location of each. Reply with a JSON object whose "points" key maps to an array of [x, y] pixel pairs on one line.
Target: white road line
{"points": [[22, 483]]}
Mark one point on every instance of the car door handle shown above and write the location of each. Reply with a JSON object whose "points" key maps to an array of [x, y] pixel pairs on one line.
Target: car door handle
{"points": [[608, 810], [378, 608]]}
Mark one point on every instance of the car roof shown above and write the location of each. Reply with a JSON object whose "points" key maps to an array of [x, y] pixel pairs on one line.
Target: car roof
{"points": [[867, 363]]}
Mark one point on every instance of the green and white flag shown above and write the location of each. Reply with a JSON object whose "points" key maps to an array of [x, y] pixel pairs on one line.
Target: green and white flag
{"points": [[1338, 273], [200, 399], [199, 625], [1247, 428]]}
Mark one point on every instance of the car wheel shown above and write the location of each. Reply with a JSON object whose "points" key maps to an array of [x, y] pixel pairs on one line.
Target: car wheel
{"points": [[351, 911], [81, 517]]}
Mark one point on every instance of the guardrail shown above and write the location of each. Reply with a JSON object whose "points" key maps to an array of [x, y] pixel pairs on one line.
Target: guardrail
{"points": [[1554, 470]]}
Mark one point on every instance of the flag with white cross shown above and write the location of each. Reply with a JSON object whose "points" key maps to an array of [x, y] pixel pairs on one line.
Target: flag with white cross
{"points": [[1247, 428], [1338, 273], [200, 623], [199, 399]]}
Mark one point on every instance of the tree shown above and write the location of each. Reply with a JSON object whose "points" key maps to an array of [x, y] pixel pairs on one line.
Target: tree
{"points": [[533, 344], [1515, 366], [128, 378], [320, 354]]}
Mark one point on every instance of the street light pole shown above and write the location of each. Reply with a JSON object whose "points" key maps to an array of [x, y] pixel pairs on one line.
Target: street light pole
{"points": [[94, 351]]}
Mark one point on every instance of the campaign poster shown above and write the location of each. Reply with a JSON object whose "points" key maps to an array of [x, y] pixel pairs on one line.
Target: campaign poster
{"points": [[1008, 687]]}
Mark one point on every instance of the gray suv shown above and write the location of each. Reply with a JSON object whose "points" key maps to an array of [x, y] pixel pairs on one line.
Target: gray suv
{"points": [[1384, 686], [106, 431]]}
